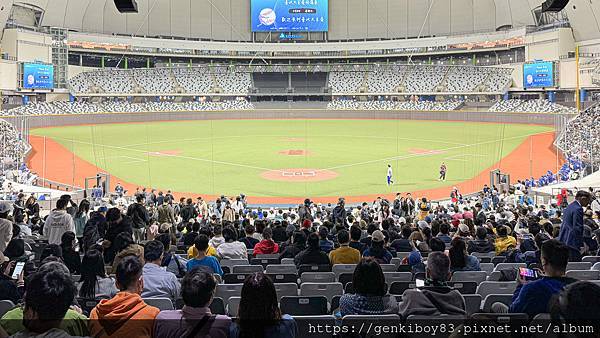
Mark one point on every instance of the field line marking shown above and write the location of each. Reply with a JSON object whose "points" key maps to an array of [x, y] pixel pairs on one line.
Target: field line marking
{"points": [[429, 153]]}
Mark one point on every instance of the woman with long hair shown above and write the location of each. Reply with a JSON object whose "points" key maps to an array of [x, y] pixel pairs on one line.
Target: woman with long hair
{"points": [[94, 283], [259, 315], [32, 208], [460, 260], [81, 217], [70, 256], [370, 292]]}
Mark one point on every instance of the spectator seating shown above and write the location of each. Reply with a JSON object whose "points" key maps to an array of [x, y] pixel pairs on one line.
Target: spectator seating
{"points": [[530, 106], [341, 104]]}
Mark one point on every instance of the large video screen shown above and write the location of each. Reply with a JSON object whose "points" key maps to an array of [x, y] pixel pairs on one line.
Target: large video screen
{"points": [[538, 75], [290, 15], [38, 76]]}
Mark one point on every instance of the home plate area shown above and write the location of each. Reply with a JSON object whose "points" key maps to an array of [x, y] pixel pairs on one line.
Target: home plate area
{"points": [[299, 175]]}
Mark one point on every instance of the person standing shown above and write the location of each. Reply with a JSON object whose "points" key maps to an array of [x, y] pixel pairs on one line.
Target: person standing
{"points": [[571, 229], [390, 180], [443, 169], [140, 218], [58, 222]]}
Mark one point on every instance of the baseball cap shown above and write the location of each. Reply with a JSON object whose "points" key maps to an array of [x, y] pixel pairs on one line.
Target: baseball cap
{"points": [[377, 236], [402, 220], [5, 206], [422, 225], [463, 228]]}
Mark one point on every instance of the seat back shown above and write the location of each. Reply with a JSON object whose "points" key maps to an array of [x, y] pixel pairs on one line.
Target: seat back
{"points": [[233, 262], [465, 288], [283, 277], [339, 269], [306, 325], [489, 300], [280, 268], [5, 306], [235, 278], [286, 289], [584, 274], [345, 278], [388, 267], [591, 259], [86, 305], [321, 289], [317, 277], [500, 288], [313, 268], [391, 277], [267, 256], [487, 267], [396, 261], [398, 288], [264, 261], [472, 303], [287, 261], [217, 306], [247, 269], [469, 276], [233, 305], [579, 266], [503, 266], [225, 291], [304, 305], [160, 303]]}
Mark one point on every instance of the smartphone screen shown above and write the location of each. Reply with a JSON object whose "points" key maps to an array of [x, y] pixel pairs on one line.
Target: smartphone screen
{"points": [[18, 269], [419, 283], [528, 274]]}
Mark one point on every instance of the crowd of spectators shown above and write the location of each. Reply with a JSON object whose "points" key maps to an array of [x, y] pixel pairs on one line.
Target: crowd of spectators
{"points": [[580, 137], [531, 106], [350, 104], [125, 257]]}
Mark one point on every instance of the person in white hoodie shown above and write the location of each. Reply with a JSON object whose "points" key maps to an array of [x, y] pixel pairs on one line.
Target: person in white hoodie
{"points": [[58, 222], [6, 225], [231, 249], [217, 238]]}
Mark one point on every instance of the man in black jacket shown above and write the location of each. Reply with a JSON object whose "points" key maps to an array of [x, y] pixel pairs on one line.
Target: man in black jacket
{"points": [[95, 228], [338, 216], [188, 211], [313, 254], [140, 218], [481, 243]]}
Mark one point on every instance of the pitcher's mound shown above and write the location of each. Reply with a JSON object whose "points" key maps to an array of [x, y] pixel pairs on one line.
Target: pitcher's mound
{"points": [[299, 175]]}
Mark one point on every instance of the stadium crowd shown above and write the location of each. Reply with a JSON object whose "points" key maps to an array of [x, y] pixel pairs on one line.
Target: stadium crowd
{"points": [[531, 106], [351, 104], [161, 267], [580, 136]]}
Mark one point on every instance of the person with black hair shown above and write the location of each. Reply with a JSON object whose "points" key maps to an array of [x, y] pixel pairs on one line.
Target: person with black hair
{"points": [[195, 319], [52, 250], [267, 245], [124, 246], [58, 222], [355, 235], [48, 296], [481, 243], [312, 255], [370, 292], [460, 260], [202, 259], [325, 244], [504, 242], [95, 227], [437, 245], [158, 283], [126, 314], [298, 240], [140, 217], [259, 315], [436, 297], [444, 233], [174, 263], [344, 254], [231, 248], [192, 231], [532, 297], [70, 256], [116, 223], [94, 282], [578, 303], [80, 219], [571, 229], [402, 244], [249, 239]]}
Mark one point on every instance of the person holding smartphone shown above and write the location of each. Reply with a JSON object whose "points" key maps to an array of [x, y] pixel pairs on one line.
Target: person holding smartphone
{"points": [[12, 285], [535, 288]]}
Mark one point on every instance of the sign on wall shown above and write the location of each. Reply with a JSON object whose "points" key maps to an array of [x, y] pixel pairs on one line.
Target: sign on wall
{"points": [[38, 76]]}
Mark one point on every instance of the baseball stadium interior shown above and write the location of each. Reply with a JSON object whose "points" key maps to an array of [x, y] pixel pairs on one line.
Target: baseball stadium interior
{"points": [[299, 168]]}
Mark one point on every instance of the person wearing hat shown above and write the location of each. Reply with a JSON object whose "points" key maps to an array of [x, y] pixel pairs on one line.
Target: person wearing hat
{"points": [[6, 226], [377, 249]]}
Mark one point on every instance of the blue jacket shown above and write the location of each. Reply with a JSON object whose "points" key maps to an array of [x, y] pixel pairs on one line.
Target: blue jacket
{"points": [[533, 298], [571, 229]]}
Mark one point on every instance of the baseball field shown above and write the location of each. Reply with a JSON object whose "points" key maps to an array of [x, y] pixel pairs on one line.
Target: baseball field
{"points": [[274, 160]]}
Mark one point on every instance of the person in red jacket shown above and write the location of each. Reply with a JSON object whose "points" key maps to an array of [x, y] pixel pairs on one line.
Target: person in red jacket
{"points": [[267, 245]]}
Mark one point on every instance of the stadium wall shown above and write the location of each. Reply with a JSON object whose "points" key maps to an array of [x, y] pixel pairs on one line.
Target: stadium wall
{"points": [[486, 117]]}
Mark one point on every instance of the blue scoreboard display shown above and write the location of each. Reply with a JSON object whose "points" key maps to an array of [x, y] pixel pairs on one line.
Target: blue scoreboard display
{"points": [[38, 76], [538, 75], [289, 15]]}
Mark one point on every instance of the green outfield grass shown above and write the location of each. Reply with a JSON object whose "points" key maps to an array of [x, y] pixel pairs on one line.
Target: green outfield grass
{"points": [[228, 156]]}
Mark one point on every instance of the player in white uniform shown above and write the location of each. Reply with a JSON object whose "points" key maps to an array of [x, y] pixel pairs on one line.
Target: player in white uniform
{"points": [[390, 181]]}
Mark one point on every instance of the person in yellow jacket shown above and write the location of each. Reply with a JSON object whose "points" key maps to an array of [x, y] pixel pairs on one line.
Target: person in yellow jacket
{"points": [[193, 253], [504, 242]]}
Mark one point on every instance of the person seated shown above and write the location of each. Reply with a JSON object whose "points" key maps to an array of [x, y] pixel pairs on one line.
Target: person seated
{"points": [[267, 245], [344, 254], [70, 256], [313, 254], [210, 251], [370, 293], [460, 260], [126, 314], [94, 282], [217, 238], [195, 319], [48, 297], [377, 249], [481, 243], [444, 233], [298, 245], [402, 244], [324, 243], [436, 297], [259, 314], [73, 323], [158, 283], [208, 262], [124, 246], [437, 245], [504, 242], [231, 249], [532, 296], [249, 240], [174, 263], [355, 235], [578, 303], [192, 231]]}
